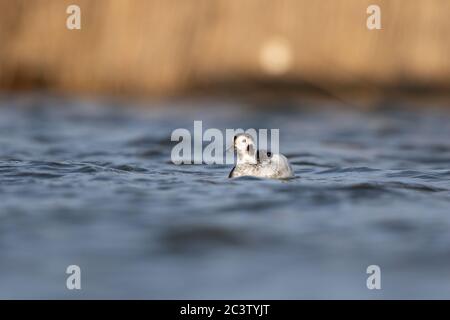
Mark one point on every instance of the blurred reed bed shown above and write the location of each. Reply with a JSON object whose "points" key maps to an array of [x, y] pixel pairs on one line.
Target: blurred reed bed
{"points": [[161, 48]]}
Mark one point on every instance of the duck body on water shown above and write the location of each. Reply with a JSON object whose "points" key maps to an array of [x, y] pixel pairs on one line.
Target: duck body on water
{"points": [[258, 163]]}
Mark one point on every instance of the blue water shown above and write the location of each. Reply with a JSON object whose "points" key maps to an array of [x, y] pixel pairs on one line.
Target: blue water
{"points": [[90, 183]]}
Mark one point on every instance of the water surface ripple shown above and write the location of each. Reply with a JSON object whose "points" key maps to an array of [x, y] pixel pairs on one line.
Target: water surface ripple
{"points": [[92, 184]]}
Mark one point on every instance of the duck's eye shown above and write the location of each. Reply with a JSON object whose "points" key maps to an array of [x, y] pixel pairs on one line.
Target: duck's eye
{"points": [[269, 154], [244, 141]]}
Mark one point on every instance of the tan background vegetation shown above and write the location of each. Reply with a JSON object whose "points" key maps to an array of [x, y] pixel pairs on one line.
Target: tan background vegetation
{"points": [[165, 47]]}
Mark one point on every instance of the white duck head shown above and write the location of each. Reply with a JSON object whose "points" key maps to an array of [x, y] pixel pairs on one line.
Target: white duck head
{"points": [[245, 148]]}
